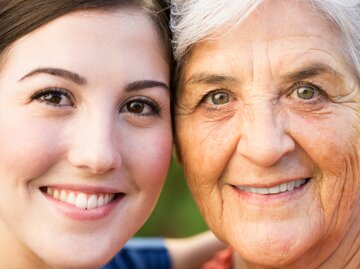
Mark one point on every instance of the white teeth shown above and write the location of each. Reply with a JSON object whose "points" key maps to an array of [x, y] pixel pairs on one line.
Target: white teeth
{"points": [[50, 191], [92, 202], [101, 200], [80, 199], [261, 190], [283, 187], [71, 198], [289, 186], [56, 194], [63, 196], [275, 189]]}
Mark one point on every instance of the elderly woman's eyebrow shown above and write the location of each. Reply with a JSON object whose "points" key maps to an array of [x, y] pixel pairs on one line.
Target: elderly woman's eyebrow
{"points": [[209, 78], [309, 71], [59, 72]]}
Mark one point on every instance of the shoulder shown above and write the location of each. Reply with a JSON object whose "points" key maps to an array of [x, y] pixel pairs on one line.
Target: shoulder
{"points": [[221, 260], [141, 253]]}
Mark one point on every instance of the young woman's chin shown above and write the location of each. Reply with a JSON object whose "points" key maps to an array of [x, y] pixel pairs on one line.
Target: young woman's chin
{"points": [[86, 256]]}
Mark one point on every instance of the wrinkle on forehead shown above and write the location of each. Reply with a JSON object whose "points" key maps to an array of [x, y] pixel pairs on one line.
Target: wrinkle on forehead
{"points": [[270, 44]]}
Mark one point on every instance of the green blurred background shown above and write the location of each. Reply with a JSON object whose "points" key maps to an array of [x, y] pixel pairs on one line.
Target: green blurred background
{"points": [[176, 214]]}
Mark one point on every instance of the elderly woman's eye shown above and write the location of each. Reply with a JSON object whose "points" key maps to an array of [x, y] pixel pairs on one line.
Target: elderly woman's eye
{"points": [[141, 106], [218, 98], [54, 97], [305, 92]]}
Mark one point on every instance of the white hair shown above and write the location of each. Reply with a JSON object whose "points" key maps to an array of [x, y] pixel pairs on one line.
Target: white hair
{"points": [[194, 20]]}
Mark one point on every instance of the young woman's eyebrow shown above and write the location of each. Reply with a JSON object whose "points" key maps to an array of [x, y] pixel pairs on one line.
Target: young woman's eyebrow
{"points": [[309, 71], [145, 84], [68, 75]]}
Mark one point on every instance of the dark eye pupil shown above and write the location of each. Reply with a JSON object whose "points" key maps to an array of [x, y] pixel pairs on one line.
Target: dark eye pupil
{"points": [[305, 93], [135, 107], [53, 98], [220, 98]]}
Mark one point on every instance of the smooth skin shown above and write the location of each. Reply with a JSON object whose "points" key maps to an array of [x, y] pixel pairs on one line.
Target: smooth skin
{"points": [[274, 101], [84, 107]]}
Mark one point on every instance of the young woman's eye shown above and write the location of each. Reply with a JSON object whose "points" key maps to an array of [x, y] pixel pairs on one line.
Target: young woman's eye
{"points": [[53, 96], [217, 98], [140, 106]]}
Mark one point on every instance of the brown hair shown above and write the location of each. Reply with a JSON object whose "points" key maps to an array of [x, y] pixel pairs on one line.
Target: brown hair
{"points": [[20, 17]]}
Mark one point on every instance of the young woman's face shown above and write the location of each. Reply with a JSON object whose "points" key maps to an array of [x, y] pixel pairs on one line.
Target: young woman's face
{"points": [[85, 136]]}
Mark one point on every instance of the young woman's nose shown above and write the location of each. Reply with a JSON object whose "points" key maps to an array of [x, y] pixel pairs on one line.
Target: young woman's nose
{"points": [[95, 146], [263, 139]]}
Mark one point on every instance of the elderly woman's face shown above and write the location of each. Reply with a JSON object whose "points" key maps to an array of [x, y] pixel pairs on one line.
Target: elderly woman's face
{"points": [[267, 122]]}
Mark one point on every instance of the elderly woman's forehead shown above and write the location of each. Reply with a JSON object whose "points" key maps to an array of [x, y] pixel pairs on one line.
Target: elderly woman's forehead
{"points": [[275, 19], [282, 30]]}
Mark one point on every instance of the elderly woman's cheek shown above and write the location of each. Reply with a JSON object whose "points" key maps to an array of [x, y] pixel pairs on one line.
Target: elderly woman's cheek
{"points": [[338, 184], [205, 147]]}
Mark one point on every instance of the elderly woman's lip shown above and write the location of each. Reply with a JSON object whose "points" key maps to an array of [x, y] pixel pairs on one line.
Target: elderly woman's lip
{"points": [[283, 187]]}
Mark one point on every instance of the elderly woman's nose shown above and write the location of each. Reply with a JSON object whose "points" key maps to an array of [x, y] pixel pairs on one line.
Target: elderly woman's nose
{"points": [[94, 147], [264, 139]]}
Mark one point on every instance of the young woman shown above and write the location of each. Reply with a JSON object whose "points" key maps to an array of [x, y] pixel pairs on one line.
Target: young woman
{"points": [[85, 128], [86, 135]]}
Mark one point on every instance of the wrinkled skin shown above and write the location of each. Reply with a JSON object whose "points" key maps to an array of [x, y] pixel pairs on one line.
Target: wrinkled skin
{"points": [[102, 130], [271, 102]]}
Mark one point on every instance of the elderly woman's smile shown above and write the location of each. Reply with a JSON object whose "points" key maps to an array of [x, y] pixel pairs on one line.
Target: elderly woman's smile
{"points": [[284, 186], [271, 109]]}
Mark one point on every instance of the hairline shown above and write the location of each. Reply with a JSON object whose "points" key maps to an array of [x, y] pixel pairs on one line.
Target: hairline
{"points": [[346, 46]]}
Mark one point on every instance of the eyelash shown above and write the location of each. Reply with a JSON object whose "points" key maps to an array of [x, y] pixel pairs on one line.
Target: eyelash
{"points": [[52, 90], [204, 96], [322, 94], [56, 90], [150, 103]]}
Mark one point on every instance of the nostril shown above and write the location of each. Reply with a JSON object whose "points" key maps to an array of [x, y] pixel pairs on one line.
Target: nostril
{"points": [[265, 149], [97, 159]]}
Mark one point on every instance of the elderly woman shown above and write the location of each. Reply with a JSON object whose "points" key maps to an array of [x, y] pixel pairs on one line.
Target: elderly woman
{"points": [[268, 127]]}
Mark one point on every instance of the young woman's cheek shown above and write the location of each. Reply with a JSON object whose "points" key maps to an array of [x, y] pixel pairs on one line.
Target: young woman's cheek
{"points": [[148, 154], [31, 144]]}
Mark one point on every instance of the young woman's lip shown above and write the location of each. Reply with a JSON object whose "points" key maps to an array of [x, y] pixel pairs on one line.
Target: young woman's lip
{"points": [[84, 188], [80, 214]]}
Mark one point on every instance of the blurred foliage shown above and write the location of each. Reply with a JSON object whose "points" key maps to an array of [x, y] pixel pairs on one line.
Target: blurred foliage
{"points": [[176, 214]]}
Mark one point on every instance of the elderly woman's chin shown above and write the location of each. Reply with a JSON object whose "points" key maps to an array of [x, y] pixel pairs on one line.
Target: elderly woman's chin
{"points": [[295, 234], [274, 244]]}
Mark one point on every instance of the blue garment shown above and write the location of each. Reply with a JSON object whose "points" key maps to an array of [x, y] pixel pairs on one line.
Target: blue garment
{"points": [[141, 253]]}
